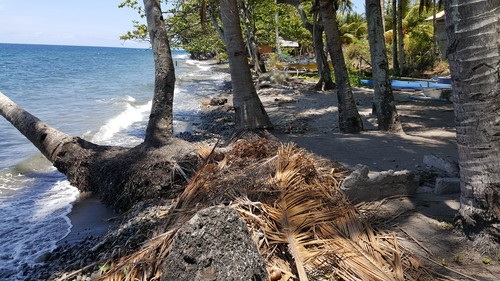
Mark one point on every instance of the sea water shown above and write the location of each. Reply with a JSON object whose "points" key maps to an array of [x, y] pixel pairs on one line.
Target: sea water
{"points": [[101, 94]]}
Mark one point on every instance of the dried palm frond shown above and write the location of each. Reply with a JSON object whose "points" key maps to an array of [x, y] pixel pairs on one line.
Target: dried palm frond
{"points": [[300, 220]]}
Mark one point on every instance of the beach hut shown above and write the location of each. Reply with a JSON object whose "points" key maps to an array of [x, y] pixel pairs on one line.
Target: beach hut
{"points": [[440, 32]]}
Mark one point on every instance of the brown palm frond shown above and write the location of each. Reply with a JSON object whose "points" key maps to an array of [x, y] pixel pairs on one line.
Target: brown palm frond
{"points": [[298, 217]]}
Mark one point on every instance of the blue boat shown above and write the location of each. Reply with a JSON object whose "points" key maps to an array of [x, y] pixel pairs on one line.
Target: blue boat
{"points": [[410, 85]]}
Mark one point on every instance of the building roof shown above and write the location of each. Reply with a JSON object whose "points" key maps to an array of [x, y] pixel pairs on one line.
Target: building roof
{"points": [[286, 43], [439, 16]]}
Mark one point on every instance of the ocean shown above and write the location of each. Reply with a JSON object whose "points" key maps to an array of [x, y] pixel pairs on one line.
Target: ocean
{"points": [[101, 94]]}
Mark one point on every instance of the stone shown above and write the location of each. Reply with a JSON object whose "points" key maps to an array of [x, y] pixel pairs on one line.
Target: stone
{"points": [[213, 101], [444, 165], [361, 186], [447, 186], [214, 244]]}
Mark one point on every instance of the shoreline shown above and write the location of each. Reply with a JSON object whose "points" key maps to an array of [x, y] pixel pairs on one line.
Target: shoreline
{"points": [[89, 219]]}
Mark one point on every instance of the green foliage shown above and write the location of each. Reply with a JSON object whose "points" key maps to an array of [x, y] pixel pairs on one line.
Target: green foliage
{"points": [[352, 27], [139, 33], [290, 26], [186, 30], [486, 261]]}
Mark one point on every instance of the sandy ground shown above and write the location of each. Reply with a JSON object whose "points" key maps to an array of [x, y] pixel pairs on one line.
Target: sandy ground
{"points": [[90, 218], [423, 221]]}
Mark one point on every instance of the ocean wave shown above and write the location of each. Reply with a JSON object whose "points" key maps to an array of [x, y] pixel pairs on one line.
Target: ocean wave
{"points": [[123, 121]]}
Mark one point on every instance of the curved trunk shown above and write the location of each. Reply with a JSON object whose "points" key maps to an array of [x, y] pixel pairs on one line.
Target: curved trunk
{"points": [[316, 29], [383, 99], [250, 113], [349, 119], [160, 127], [474, 56], [325, 74]]}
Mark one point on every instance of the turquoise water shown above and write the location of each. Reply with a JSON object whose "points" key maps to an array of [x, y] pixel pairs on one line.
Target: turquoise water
{"points": [[101, 94]]}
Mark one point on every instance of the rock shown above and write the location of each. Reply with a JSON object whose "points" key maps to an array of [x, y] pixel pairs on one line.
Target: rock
{"points": [[444, 165], [213, 101], [359, 186], [214, 245], [447, 186]]}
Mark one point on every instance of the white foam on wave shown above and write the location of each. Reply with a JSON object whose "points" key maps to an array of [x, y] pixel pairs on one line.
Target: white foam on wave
{"points": [[124, 120], [33, 220], [184, 56]]}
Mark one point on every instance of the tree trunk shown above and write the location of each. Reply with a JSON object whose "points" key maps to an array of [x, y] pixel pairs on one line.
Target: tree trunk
{"points": [[250, 113], [349, 119], [401, 39], [316, 29], [387, 115], [160, 127], [474, 56], [253, 48], [325, 74], [395, 63]]}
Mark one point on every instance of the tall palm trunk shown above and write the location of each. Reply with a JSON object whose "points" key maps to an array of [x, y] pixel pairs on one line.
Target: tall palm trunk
{"points": [[349, 119], [325, 74], [474, 54], [395, 63], [250, 113], [401, 39], [387, 115], [160, 126], [252, 45], [316, 29]]}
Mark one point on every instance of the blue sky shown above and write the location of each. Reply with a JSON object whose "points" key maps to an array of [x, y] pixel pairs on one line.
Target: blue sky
{"points": [[66, 22], [72, 22]]}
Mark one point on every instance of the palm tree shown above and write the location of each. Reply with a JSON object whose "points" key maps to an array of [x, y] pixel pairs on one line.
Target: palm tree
{"points": [[474, 56], [349, 119], [383, 99], [250, 113], [316, 29], [160, 126]]}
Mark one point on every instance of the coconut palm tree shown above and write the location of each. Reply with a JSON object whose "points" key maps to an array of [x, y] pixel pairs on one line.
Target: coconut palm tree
{"points": [[349, 119], [316, 29], [474, 56], [383, 99], [250, 113]]}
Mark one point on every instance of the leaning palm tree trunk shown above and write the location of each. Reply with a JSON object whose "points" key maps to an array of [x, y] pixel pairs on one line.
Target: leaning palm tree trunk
{"points": [[349, 119], [474, 56]]}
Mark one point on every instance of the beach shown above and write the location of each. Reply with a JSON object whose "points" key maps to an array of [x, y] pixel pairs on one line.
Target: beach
{"points": [[309, 119]]}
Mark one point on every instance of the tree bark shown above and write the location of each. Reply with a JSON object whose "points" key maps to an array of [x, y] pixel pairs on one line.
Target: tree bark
{"points": [[160, 126], [349, 119], [383, 99], [401, 37], [395, 63], [473, 29], [253, 48], [250, 113], [316, 29]]}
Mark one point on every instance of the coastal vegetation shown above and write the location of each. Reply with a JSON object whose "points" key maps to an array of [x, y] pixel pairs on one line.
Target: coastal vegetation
{"points": [[303, 224]]}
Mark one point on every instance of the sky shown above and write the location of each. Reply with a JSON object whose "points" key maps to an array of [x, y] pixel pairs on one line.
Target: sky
{"points": [[72, 22], [66, 22]]}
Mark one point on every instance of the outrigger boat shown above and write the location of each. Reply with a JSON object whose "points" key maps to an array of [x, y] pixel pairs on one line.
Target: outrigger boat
{"points": [[432, 90]]}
